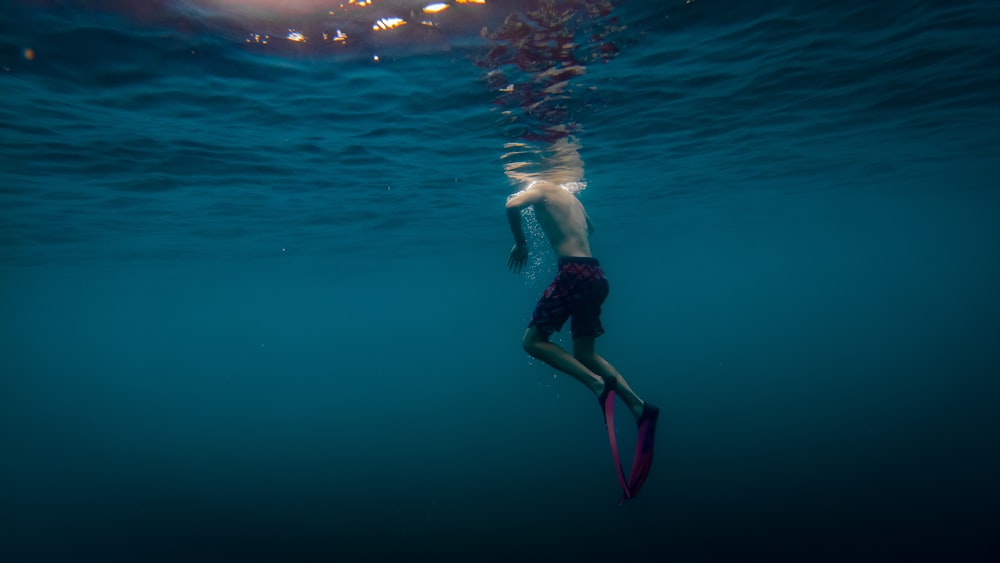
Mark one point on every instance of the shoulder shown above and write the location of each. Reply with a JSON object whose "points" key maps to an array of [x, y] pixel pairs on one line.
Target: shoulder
{"points": [[534, 193]]}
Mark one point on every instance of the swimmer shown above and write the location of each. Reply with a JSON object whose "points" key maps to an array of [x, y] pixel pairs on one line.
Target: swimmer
{"points": [[579, 289]]}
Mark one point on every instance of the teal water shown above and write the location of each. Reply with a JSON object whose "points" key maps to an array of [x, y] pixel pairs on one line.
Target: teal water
{"points": [[254, 303]]}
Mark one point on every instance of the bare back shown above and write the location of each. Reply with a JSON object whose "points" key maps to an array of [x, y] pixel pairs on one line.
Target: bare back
{"points": [[563, 219]]}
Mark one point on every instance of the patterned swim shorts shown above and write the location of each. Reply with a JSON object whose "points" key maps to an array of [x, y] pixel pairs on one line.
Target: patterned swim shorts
{"points": [[578, 291]]}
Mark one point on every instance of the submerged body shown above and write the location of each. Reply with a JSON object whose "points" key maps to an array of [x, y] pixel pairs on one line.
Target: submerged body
{"points": [[578, 291]]}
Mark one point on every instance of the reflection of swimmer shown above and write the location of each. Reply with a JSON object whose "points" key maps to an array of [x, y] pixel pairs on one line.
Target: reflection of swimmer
{"points": [[535, 54], [577, 292]]}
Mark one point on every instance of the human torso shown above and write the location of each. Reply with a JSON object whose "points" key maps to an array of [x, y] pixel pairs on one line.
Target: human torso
{"points": [[564, 221]]}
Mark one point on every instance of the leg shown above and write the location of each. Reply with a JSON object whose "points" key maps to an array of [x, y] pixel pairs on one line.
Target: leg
{"points": [[536, 343], [583, 352]]}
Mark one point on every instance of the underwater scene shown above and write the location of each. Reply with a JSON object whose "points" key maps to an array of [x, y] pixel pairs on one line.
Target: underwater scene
{"points": [[256, 298]]}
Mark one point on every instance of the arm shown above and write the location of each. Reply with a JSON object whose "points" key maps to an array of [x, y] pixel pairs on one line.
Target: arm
{"points": [[514, 219], [516, 202]]}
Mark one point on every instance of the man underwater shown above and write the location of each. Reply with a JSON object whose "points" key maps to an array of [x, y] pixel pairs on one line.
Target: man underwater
{"points": [[579, 289]]}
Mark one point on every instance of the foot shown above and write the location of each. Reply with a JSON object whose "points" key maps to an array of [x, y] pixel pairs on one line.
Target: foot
{"points": [[648, 412], [637, 410], [604, 385]]}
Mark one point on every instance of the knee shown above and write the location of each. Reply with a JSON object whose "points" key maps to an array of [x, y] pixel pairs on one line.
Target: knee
{"points": [[530, 345], [531, 342]]}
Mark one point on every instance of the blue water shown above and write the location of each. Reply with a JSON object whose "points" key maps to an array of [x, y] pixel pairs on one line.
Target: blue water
{"points": [[254, 303]]}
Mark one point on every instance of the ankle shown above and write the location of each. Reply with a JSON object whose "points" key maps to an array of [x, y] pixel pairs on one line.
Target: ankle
{"points": [[637, 409], [598, 386]]}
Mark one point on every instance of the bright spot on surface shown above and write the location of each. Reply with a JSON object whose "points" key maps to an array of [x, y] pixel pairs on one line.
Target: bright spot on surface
{"points": [[388, 23], [296, 36], [29, 54], [471, 1], [375, 58], [435, 8]]}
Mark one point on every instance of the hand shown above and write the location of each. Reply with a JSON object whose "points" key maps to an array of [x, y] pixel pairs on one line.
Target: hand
{"points": [[518, 257]]}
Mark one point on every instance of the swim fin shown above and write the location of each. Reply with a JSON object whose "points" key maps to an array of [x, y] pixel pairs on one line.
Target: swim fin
{"points": [[643, 460], [607, 402]]}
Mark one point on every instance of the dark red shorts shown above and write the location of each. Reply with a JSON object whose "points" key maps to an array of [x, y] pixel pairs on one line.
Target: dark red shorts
{"points": [[578, 291]]}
